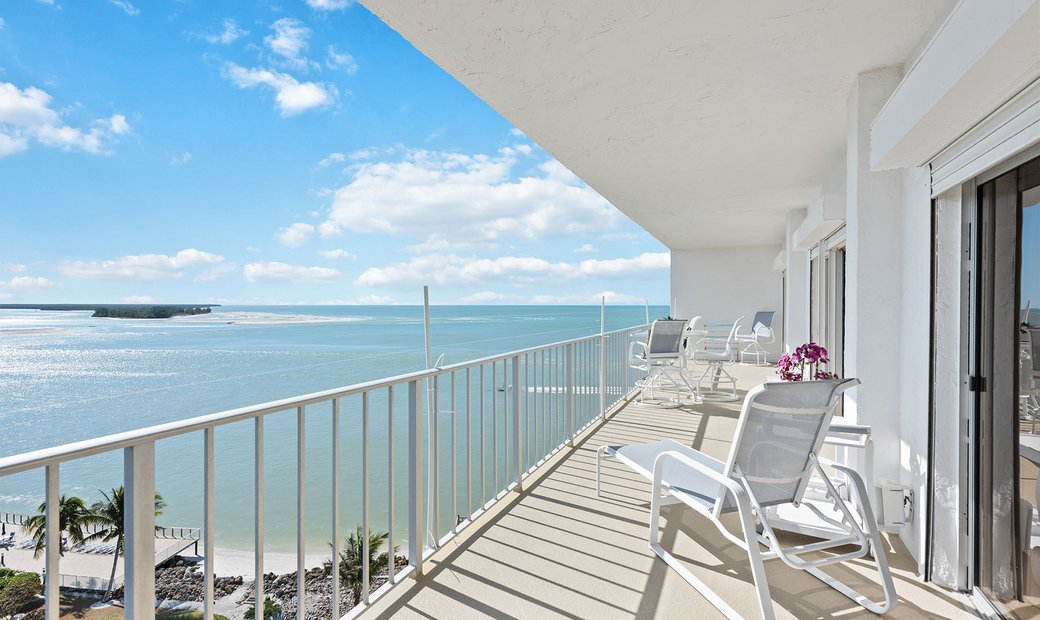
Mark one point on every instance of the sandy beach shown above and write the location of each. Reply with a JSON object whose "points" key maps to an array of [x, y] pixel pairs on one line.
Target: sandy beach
{"points": [[233, 563], [226, 562]]}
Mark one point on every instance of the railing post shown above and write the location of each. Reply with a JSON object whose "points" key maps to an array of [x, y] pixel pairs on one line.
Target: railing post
{"points": [[416, 510], [603, 359], [139, 524], [335, 509], [517, 456], [569, 379], [258, 532], [301, 504], [53, 548], [208, 533]]}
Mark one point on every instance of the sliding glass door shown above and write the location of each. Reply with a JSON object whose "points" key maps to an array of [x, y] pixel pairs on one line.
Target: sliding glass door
{"points": [[1006, 266]]}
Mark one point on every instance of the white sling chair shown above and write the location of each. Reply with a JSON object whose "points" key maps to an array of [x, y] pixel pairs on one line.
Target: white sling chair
{"points": [[761, 333], [715, 354], [661, 358], [773, 456]]}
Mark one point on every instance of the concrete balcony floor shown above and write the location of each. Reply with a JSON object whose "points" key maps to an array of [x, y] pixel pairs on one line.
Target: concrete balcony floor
{"points": [[558, 551]]}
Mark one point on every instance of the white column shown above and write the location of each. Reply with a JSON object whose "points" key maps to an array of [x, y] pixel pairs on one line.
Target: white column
{"points": [[874, 265], [796, 314]]}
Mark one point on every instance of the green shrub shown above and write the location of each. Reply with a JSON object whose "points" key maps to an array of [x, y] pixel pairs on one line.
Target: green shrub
{"points": [[19, 591], [186, 615], [271, 610]]}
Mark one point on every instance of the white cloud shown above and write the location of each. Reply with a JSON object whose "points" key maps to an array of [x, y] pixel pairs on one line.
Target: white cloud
{"points": [[23, 282], [338, 255], [440, 245], [344, 61], [217, 272], [14, 267], [281, 272], [453, 270], [117, 125], [332, 159], [142, 266], [371, 152], [12, 144], [128, 8], [295, 235], [228, 35], [289, 41], [516, 132], [138, 299], [329, 5], [26, 114], [291, 96], [454, 197], [1, 23], [610, 297], [588, 298], [488, 297], [587, 248], [180, 160]]}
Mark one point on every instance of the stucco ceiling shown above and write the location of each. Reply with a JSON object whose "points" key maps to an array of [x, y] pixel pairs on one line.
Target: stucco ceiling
{"points": [[704, 121]]}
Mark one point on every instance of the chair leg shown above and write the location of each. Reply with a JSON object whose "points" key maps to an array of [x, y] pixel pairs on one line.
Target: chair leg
{"points": [[758, 570], [599, 457], [754, 555], [880, 561]]}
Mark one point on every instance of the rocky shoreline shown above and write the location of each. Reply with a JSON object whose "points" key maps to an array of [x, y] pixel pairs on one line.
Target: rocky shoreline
{"points": [[181, 579]]}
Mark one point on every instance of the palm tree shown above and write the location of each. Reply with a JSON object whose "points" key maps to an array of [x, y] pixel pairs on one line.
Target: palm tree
{"points": [[73, 518], [351, 560], [107, 516]]}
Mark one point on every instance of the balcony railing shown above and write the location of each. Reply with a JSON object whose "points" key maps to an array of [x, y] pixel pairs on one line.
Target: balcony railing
{"points": [[456, 469]]}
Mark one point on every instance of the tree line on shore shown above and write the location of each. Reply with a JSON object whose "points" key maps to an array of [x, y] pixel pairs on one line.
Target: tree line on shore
{"points": [[148, 312]]}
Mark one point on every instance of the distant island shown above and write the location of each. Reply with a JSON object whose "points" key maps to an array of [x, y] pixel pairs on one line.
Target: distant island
{"points": [[122, 311], [149, 312]]}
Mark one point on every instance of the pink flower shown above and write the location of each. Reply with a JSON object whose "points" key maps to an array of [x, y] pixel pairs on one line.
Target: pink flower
{"points": [[805, 363]]}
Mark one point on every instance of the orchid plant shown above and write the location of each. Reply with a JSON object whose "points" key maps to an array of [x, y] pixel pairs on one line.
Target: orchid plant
{"points": [[805, 364]]}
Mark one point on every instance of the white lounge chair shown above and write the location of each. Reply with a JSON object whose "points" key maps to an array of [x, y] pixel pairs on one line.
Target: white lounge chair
{"points": [[773, 457], [761, 333]]}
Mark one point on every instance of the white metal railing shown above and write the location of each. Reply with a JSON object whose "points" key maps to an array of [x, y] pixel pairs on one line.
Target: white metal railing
{"points": [[13, 518], [83, 582], [541, 396]]}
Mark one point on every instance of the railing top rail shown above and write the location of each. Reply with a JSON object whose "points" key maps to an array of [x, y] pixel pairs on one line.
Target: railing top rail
{"points": [[56, 454]]}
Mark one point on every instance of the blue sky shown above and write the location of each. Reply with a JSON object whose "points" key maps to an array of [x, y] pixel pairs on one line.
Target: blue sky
{"points": [[293, 152]]}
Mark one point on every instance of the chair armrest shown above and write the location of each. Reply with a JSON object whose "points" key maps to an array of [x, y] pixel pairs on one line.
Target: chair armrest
{"points": [[731, 485]]}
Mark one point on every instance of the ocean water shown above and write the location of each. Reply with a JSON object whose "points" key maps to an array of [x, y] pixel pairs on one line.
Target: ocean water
{"points": [[65, 376]]}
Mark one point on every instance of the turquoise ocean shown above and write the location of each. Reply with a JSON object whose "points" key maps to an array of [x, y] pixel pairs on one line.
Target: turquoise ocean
{"points": [[65, 376]]}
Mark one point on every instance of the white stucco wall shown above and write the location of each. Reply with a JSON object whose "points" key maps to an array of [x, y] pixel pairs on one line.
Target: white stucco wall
{"points": [[722, 284]]}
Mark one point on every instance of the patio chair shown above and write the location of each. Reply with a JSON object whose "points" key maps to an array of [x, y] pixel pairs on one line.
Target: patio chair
{"points": [[773, 456], [761, 333], [660, 355], [716, 354]]}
